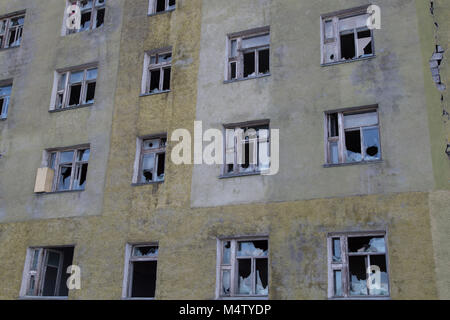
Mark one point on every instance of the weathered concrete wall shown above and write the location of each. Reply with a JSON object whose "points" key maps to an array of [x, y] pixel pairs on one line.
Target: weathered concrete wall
{"points": [[30, 128], [298, 92]]}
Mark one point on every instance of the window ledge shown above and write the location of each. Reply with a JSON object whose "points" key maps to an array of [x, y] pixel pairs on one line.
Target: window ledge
{"points": [[360, 298], [237, 175], [161, 12], [146, 183], [248, 78], [152, 94], [5, 49], [64, 191], [352, 163], [348, 61], [71, 108], [3, 119], [42, 298], [243, 298], [139, 299], [87, 30]]}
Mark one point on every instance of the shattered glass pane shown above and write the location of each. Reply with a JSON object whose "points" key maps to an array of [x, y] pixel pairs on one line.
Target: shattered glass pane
{"points": [[263, 67], [85, 21], [366, 244], [99, 3], [66, 156], [379, 283], [152, 144], [364, 43], [253, 249], [244, 276], [160, 5], [165, 58], [83, 155], [226, 282], [12, 37], [372, 144], [226, 259], [64, 178], [155, 76], [262, 287], [2, 26], [249, 64], [80, 176], [75, 94], [17, 22], [353, 145], [348, 50], [148, 166], [171, 4], [166, 82], [338, 283], [161, 166], [151, 251], [337, 250], [85, 4], [358, 276], [90, 92], [100, 18]]}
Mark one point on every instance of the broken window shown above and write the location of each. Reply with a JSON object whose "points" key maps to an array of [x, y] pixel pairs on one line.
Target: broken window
{"points": [[157, 70], [75, 88], [244, 269], [5, 96], [156, 6], [46, 272], [11, 31], [249, 54], [70, 167], [142, 271], [345, 36], [246, 148], [92, 14], [358, 265], [353, 136], [152, 160]]}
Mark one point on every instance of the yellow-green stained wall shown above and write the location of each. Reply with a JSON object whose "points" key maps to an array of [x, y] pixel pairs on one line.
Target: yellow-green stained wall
{"points": [[417, 223]]}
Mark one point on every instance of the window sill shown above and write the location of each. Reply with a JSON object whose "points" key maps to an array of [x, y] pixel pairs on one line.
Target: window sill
{"points": [[42, 298], [360, 298], [352, 164], [248, 78], [139, 299], [161, 12], [71, 108], [56, 192], [237, 175], [244, 298], [87, 30], [3, 119], [153, 94], [146, 183], [5, 49], [348, 61]]}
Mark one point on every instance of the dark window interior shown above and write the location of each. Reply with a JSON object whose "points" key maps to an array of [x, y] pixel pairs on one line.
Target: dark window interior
{"points": [[358, 273], [75, 92], [264, 61], [154, 80], [161, 163], [144, 279], [90, 92], [262, 269], [334, 127], [100, 17], [353, 141], [52, 273], [166, 84], [160, 5], [348, 50], [249, 64], [85, 20], [366, 34]]}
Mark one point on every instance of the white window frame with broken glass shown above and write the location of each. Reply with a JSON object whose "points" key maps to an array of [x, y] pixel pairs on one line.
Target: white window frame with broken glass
{"points": [[11, 31], [38, 263], [5, 97], [94, 9], [229, 284], [77, 159], [247, 148], [134, 254], [65, 82], [159, 6], [342, 284], [336, 27], [242, 44], [157, 61], [152, 148], [339, 127]]}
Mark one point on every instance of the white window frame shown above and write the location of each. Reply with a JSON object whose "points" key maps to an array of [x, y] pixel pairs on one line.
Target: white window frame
{"points": [[94, 11], [140, 152], [65, 92], [232, 147], [343, 265], [340, 139], [332, 45], [6, 101], [39, 272], [75, 164], [233, 267], [161, 66], [128, 269], [6, 29], [239, 59], [152, 4]]}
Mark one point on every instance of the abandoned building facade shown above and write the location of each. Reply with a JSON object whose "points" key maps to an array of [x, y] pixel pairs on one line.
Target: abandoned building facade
{"points": [[360, 206]]}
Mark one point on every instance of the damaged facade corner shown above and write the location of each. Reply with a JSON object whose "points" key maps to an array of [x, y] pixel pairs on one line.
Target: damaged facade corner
{"points": [[93, 181]]}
